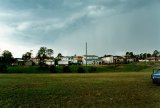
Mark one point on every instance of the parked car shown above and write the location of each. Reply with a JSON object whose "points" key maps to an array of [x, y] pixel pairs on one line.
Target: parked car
{"points": [[155, 76]]}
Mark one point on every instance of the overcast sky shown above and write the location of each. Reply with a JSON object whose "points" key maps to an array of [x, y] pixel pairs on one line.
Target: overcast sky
{"points": [[108, 26]]}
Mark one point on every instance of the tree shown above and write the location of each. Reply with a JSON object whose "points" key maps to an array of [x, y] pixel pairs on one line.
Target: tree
{"points": [[26, 56], [127, 54], [44, 53], [131, 54], [49, 53], [149, 55], [156, 54], [145, 56], [7, 57], [141, 56], [59, 56], [136, 58]]}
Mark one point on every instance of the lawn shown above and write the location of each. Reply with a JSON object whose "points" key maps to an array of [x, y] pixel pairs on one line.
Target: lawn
{"points": [[89, 90]]}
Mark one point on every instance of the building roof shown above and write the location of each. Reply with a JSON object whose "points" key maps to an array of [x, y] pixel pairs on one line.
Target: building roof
{"points": [[77, 56], [108, 56], [118, 57], [90, 55]]}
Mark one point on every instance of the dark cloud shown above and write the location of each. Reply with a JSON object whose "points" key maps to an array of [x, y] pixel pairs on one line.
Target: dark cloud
{"points": [[109, 26]]}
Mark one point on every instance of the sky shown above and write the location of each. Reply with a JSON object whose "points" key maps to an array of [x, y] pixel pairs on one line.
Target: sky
{"points": [[108, 26]]}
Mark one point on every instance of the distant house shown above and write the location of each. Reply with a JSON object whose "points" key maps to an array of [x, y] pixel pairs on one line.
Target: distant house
{"points": [[158, 58], [35, 60], [46, 61], [150, 59], [118, 59], [20, 62], [49, 62], [68, 58], [107, 59], [65, 60], [110, 59], [129, 59], [77, 60], [28, 63], [153, 58], [91, 59]]}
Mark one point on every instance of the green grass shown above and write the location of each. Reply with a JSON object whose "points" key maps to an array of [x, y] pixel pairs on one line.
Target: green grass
{"points": [[26, 69], [96, 90]]}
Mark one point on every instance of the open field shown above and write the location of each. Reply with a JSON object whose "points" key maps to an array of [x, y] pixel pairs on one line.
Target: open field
{"points": [[96, 90]]}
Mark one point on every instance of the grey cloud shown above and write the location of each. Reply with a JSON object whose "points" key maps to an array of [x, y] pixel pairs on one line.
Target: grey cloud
{"points": [[30, 4], [132, 31], [109, 26]]}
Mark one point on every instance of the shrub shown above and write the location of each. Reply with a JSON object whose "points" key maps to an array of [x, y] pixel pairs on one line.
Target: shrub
{"points": [[42, 68], [53, 69], [3, 68], [81, 70], [66, 69], [92, 69]]}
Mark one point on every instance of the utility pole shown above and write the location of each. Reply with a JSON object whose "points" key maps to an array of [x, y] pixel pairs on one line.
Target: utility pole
{"points": [[86, 54], [146, 58]]}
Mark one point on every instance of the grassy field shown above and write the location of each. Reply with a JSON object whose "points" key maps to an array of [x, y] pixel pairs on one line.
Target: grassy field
{"points": [[96, 90]]}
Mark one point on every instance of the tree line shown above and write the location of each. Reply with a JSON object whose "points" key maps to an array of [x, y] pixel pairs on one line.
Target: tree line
{"points": [[46, 53], [143, 56]]}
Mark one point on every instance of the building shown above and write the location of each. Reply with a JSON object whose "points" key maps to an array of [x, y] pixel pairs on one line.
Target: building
{"points": [[107, 59], [77, 60], [49, 62], [28, 63], [119, 59], [35, 61], [91, 59], [19, 61], [65, 60]]}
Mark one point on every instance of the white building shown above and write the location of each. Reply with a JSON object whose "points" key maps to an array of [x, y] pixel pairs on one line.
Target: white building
{"points": [[66, 60], [119, 59], [91, 59], [108, 59], [49, 62], [77, 60]]}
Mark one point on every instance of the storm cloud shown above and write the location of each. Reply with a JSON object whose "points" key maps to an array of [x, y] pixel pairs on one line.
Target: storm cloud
{"points": [[108, 26]]}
